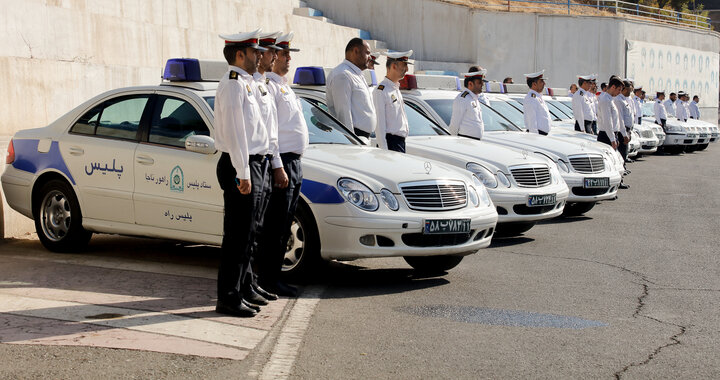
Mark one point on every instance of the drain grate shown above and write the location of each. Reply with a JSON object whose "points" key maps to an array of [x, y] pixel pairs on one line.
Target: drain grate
{"points": [[500, 317]]}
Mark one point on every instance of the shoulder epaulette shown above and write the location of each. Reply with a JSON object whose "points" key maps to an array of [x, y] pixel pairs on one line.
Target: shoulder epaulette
{"points": [[581, 93], [533, 95], [234, 74], [267, 80], [464, 94], [381, 87]]}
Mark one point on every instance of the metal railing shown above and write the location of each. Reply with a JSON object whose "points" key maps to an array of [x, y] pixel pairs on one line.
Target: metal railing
{"points": [[605, 8]]}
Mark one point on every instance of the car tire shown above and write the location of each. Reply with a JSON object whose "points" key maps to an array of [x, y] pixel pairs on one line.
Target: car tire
{"points": [[513, 229], [58, 219], [577, 209], [433, 264], [302, 255]]}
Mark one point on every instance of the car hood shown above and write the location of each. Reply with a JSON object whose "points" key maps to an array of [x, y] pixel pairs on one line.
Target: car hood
{"points": [[376, 168], [460, 151], [554, 147]]}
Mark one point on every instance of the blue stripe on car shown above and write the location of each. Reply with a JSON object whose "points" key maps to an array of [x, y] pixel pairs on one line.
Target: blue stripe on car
{"points": [[28, 159], [318, 192]]}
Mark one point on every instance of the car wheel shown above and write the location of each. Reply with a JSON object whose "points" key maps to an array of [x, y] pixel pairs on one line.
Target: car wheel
{"points": [[58, 220], [433, 264], [577, 209], [513, 229], [302, 254]]}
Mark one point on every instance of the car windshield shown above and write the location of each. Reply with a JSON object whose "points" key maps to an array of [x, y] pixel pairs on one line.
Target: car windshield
{"points": [[564, 107], [493, 120], [567, 103], [322, 128], [554, 107], [648, 110], [421, 125], [511, 113]]}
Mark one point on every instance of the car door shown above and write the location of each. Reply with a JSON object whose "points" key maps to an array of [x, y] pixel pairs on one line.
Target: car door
{"points": [[99, 150], [175, 188]]}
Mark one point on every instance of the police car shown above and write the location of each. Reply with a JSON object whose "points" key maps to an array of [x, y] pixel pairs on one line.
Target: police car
{"points": [[525, 187], [677, 135], [141, 161], [589, 173], [708, 132]]}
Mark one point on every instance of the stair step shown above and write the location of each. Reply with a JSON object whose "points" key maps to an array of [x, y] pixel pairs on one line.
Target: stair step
{"points": [[307, 11]]}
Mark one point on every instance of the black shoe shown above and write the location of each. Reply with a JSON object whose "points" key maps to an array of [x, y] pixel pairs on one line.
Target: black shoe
{"points": [[623, 186], [265, 294], [248, 304], [251, 296], [285, 290], [235, 309]]}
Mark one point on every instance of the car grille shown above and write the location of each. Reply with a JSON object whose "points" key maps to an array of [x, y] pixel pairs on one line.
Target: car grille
{"points": [[648, 134], [531, 176], [587, 163], [434, 195]]}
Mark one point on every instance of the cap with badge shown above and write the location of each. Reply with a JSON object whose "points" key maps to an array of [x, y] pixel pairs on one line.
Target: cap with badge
{"points": [[587, 78], [401, 56], [247, 39], [267, 40], [537, 75], [283, 42], [479, 73]]}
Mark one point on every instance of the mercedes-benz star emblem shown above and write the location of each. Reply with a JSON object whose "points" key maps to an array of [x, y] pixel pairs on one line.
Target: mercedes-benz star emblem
{"points": [[428, 167], [525, 154]]}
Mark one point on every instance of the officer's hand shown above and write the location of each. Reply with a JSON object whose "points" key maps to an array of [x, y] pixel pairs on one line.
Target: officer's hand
{"points": [[244, 186], [280, 179], [614, 145], [627, 139]]}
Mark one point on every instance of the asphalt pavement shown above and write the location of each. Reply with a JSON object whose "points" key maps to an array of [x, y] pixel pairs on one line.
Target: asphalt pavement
{"points": [[628, 291]]}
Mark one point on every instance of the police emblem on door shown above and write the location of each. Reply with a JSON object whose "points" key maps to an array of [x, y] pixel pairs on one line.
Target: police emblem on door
{"points": [[177, 180]]}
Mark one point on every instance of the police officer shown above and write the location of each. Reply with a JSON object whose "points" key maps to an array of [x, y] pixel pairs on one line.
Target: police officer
{"points": [[670, 104], [638, 102], [659, 108], [581, 105], [608, 116], [348, 95], [593, 102], [466, 119], [694, 109], [292, 140], [392, 123], [625, 119], [242, 172], [682, 110], [537, 115]]}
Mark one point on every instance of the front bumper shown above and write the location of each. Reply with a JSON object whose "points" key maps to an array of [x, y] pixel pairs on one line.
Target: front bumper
{"points": [[397, 233], [511, 204], [575, 182], [648, 145], [676, 138]]}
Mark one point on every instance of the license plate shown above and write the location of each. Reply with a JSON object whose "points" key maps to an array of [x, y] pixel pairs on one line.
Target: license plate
{"points": [[594, 183], [541, 200], [446, 226]]}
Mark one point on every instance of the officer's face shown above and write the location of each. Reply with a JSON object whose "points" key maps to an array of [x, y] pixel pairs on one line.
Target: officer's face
{"points": [[476, 86], [362, 56], [282, 63], [267, 59], [673, 97], [249, 59]]}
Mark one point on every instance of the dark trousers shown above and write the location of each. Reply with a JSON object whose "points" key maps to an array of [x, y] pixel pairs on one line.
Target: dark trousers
{"points": [[589, 127], [278, 219], [542, 133], [639, 120], [577, 126], [361, 133], [622, 146], [593, 127], [604, 138], [662, 123], [396, 143], [241, 222]]}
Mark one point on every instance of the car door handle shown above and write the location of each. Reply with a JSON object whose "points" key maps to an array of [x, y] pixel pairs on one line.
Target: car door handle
{"points": [[144, 160], [76, 151]]}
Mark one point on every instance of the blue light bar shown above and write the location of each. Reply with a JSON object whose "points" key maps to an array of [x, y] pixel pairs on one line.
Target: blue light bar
{"points": [[182, 69], [309, 75], [458, 84]]}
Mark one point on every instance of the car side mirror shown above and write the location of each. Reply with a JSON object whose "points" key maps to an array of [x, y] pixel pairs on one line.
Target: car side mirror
{"points": [[200, 144]]}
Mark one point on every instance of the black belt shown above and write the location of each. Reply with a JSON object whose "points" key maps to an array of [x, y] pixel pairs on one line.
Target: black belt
{"points": [[256, 157], [290, 156]]}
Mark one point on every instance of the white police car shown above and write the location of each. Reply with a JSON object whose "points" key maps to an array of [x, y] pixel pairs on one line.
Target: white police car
{"points": [[677, 133], [525, 187], [589, 173], [141, 161]]}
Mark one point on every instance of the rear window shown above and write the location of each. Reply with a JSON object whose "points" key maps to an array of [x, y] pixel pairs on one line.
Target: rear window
{"points": [[117, 118]]}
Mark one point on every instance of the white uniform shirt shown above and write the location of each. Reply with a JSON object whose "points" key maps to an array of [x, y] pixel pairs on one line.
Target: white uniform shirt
{"points": [[607, 116], [694, 110], [637, 103], [660, 111], [348, 97], [625, 114], [593, 105], [669, 107], [467, 116], [292, 129], [581, 106], [681, 110], [269, 116], [390, 110], [239, 130], [536, 113]]}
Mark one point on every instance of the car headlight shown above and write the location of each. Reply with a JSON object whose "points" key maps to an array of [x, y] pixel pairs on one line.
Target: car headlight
{"points": [[358, 194], [563, 166], [673, 128], [473, 195], [389, 199], [482, 192], [503, 179], [555, 174], [488, 179]]}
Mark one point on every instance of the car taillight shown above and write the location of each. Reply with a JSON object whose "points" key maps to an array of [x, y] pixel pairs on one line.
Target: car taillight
{"points": [[11, 154]]}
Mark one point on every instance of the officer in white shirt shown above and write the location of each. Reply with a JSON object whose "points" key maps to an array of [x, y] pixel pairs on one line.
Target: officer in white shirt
{"points": [[608, 116], [694, 109], [659, 108], [593, 102], [392, 123], [638, 102], [466, 119], [348, 95], [242, 172], [681, 108], [292, 141], [581, 105], [625, 119], [670, 104], [536, 113]]}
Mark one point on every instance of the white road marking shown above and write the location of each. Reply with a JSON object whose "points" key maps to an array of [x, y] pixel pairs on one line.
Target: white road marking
{"points": [[288, 344]]}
